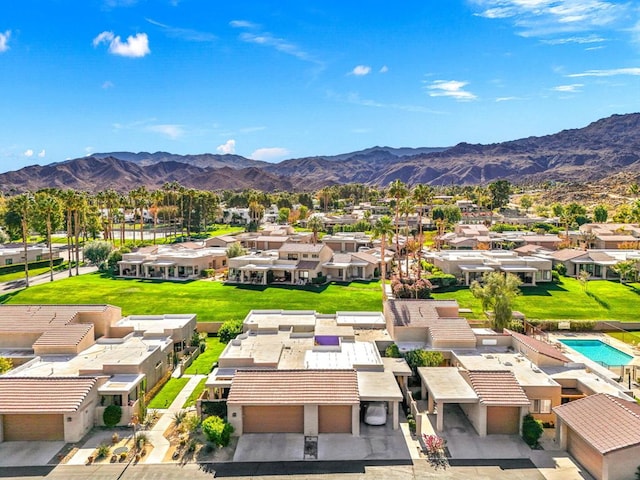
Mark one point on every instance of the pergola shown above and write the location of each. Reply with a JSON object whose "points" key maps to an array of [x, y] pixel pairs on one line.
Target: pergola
{"points": [[442, 385]]}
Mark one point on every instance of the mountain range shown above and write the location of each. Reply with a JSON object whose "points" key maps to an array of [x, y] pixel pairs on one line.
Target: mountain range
{"points": [[605, 147]]}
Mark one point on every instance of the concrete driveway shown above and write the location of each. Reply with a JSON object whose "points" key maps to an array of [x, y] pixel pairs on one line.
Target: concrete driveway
{"points": [[28, 454], [374, 443]]}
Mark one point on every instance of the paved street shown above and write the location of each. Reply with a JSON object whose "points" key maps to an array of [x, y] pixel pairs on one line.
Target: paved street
{"points": [[278, 471]]}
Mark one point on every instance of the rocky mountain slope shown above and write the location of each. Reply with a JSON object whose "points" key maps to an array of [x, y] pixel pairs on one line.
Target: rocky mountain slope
{"points": [[606, 147]]}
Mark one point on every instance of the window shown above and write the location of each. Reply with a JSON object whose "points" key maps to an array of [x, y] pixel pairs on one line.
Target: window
{"points": [[315, 255], [305, 255], [542, 405], [38, 258], [8, 261]]}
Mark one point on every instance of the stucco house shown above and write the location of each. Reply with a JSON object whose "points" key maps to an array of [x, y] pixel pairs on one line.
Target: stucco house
{"points": [[80, 359], [172, 262], [602, 432], [308, 373]]}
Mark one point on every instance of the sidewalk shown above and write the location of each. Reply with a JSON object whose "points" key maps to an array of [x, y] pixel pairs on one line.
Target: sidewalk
{"points": [[155, 435], [15, 285]]}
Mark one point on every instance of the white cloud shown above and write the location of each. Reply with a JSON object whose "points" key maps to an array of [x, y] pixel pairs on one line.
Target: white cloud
{"points": [[171, 131], [108, 84], [42, 153], [135, 46], [552, 17], [573, 88], [360, 70], [384, 69], [506, 99], [228, 147], [4, 40], [355, 99], [270, 154], [635, 71], [242, 24], [579, 40], [450, 88], [184, 33], [28, 153]]}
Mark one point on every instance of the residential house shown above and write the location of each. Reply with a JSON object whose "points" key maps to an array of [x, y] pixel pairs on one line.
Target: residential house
{"points": [[602, 432], [471, 265], [598, 263], [607, 236], [172, 262], [304, 372], [72, 361], [14, 254], [293, 263]]}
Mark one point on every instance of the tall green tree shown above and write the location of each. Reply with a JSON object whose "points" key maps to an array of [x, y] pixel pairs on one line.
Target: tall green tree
{"points": [[49, 217], [23, 206], [499, 191], [383, 229], [315, 225], [600, 214], [496, 292], [398, 190]]}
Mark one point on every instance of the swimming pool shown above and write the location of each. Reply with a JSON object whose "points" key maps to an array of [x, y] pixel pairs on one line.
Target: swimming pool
{"points": [[598, 351]]}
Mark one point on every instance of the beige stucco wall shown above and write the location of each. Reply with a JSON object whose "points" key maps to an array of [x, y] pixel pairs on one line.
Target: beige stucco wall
{"points": [[18, 340], [78, 424], [311, 419], [410, 334], [477, 416], [234, 417], [102, 321], [551, 392], [621, 464]]}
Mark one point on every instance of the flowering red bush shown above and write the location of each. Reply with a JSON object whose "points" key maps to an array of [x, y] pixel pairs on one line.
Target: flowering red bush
{"points": [[410, 288]]}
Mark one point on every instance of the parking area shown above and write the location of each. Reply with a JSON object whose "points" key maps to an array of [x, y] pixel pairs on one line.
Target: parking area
{"points": [[16, 454], [380, 442]]}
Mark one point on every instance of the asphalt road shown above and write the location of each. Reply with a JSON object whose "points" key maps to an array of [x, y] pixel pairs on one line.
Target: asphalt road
{"points": [[511, 470]]}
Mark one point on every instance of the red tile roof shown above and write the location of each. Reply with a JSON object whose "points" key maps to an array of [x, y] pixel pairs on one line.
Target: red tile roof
{"points": [[43, 394], [497, 388], [605, 422], [294, 387], [452, 329], [538, 346]]}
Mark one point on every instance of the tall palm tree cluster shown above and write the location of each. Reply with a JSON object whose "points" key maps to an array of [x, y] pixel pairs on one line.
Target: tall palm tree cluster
{"points": [[84, 216]]}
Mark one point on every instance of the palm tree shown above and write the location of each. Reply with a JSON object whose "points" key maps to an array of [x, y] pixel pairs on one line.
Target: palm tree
{"points": [[68, 199], [383, 229], [140, 200], [315, 225], [407, 207], [79, 217], [156, 198], [23, 206], [398, 190], [49, 210], [422, 194]]}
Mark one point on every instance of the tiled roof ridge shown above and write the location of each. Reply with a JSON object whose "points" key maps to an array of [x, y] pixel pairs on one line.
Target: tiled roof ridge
{"points": [[618, 402], [535, 345]]}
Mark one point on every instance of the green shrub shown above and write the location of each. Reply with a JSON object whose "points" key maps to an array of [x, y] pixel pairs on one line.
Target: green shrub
{"points": [[561, 269], [208, 273], [423, 358], [319, 280], [531, 430], [392, 351], [103, 450], [217, 408], [112, 415], [443, 280], [217, 431], [229, 330]]}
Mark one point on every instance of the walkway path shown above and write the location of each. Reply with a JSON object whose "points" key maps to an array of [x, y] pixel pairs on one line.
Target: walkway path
{"points": [[155, 435], [15, 285]]}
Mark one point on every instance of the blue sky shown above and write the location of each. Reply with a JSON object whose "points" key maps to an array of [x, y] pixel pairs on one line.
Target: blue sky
{"points": [[287, 79]]}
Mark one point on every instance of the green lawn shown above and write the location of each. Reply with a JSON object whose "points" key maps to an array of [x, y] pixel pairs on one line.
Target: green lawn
{"points": [[9, 277], [603, 300], [191, 401], [211, 301], [168, 393], [202, 365]]}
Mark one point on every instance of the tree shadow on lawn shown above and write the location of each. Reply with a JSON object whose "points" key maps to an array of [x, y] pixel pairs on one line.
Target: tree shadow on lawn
{"points": [[110, 276], [8, 296], [544, 290], [633, 288], [262, 288]]}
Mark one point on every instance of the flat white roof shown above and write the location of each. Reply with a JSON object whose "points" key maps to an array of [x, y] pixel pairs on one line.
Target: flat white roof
{"points": [[447, 385], [156, 323], [378, 386], [349, 355], [120, 384]]}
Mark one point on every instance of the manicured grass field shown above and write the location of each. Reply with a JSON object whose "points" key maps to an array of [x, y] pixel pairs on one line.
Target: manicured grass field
{"points": [[191, 401], [9, 277], [202, 365], [602, 300], [211, 301], [168, 393]]}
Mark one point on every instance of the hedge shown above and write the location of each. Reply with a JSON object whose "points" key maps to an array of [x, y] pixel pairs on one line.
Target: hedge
{"points": [[19, 267], [443, 280]]}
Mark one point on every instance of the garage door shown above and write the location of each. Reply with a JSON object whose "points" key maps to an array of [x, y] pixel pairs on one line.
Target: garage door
{"points": [[503, 420], [334, 418], [273, 419], [584, 453], [33, 427]]}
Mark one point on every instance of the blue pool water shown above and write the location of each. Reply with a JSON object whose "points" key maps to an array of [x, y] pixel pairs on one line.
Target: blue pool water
{"points": [[598, 351]]}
